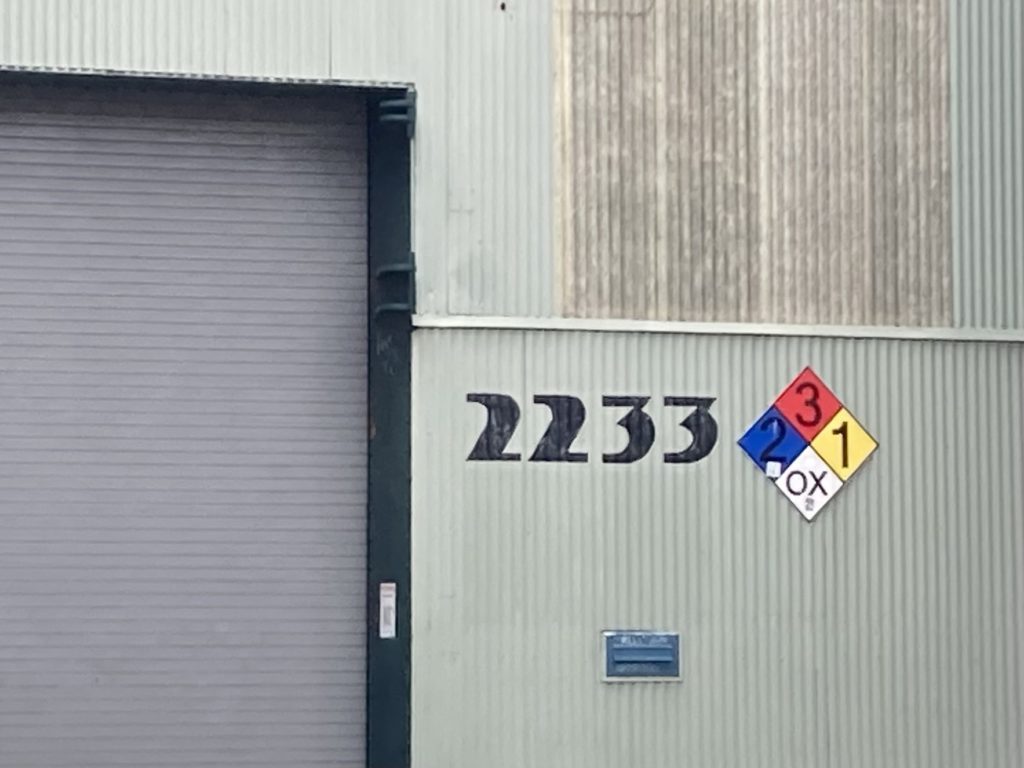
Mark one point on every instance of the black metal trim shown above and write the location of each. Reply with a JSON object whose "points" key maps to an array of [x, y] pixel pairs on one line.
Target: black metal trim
{"points": [[406, 302], [399, 110], [392, 289]]}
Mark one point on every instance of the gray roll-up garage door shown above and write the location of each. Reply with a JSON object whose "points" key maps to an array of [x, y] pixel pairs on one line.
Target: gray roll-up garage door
{"points": [[182, 426]]}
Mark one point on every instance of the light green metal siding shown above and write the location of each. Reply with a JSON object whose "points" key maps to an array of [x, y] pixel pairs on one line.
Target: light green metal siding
{"points": [[286, 39], [987, 94], [886, 633], [482, 181]]}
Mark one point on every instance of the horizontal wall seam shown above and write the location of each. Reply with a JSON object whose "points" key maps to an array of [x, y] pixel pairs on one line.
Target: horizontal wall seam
{"points": [[471, 322]]}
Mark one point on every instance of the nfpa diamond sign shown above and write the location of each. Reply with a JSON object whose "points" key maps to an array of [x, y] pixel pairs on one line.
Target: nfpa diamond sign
{"points": [[808, 443]]}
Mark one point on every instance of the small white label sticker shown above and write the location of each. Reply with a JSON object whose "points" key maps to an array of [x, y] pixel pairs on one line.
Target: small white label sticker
{"points": [[388, 609], [773, 469]]}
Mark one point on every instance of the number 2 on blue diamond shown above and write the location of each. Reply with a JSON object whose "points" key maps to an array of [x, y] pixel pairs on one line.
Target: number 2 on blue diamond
{"points": [[772, 439]]}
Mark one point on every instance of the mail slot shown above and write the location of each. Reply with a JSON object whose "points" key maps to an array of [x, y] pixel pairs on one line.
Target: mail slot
{"points": [[640, 655]]}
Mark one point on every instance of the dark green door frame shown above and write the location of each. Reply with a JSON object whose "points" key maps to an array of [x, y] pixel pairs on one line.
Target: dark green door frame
{"points": [[390, 116]]}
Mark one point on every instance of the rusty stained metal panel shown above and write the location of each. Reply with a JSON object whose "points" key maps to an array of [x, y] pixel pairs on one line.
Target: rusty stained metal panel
{"points": [[885, 633], [753, 160], [988, 179]]}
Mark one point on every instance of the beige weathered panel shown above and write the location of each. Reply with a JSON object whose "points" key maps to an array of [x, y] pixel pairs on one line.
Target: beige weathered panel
{"points": [[886, 634], [754, 160]]}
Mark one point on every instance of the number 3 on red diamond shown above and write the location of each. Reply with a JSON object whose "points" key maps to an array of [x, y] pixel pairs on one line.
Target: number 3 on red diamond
{"points": [[808, 404]]}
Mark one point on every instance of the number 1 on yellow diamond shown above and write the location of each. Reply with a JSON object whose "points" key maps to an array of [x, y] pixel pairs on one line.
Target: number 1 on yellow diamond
{"points": [[844, 444]]}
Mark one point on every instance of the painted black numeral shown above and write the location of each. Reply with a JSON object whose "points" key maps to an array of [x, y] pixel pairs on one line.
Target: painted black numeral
{"points": [[778, 426], [701, 425], [638, 425], [843, 431], [502, 419], [811, 402], [567, 417]]}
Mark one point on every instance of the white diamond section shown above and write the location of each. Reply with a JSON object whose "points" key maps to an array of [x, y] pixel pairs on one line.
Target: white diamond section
{"points": [[809, 483]]}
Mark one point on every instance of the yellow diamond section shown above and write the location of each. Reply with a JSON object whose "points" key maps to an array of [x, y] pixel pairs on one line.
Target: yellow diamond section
{"points": [[844, 444]]}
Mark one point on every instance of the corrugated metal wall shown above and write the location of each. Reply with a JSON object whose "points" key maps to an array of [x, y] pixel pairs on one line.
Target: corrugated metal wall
{"points": [[746, 160], [988, 149], [886, 633], [755, 160], [483, 207], [489, 231], [313, 39]]}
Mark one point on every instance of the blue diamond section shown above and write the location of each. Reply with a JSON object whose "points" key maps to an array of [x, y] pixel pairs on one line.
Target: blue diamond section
{"points": [[771, 438]]}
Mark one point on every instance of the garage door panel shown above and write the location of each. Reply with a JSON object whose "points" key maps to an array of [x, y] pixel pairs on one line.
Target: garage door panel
{"points": [[178, 184], [183, 425], [220, 213], [269, 297], [96, 195], [236, 118]]}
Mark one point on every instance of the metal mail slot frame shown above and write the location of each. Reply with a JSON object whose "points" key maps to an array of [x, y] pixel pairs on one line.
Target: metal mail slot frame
{"points": [[634, 655]]}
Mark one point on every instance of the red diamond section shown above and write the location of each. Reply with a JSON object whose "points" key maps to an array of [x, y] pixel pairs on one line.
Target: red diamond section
{"points": [[808, 404]]}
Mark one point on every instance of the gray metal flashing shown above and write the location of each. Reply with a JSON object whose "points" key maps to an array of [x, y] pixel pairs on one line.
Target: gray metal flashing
{"points": [[469, 322], [156, 75]]}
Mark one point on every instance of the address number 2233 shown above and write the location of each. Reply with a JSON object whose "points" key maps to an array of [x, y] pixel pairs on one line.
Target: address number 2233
{"points": [[568, 415]]}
